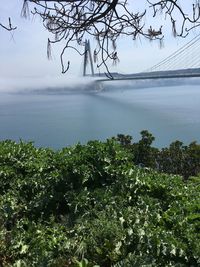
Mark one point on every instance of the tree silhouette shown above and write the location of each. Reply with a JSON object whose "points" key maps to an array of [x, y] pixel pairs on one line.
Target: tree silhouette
{"points": [[72, 21]]}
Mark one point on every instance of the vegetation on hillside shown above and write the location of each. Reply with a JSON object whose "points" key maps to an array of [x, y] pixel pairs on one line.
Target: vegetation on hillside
{"points": [[100, 204], [175, 159]]}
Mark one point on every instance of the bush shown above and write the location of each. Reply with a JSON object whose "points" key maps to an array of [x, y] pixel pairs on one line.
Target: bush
{"points": [[175, 159], [89, 205]]}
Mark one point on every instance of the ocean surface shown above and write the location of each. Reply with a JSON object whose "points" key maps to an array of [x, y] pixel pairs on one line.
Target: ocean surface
{"points": [[61, 118]]}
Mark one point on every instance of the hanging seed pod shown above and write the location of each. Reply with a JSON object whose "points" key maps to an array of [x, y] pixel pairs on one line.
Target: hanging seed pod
{"points": [[49, 55]]}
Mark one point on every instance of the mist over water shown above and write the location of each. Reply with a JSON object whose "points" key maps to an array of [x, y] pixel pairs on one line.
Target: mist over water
{"points": [[44, 84], [61, 112]]}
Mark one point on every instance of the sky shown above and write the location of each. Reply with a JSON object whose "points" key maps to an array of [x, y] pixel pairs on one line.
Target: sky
{"points": [[23, 52]]}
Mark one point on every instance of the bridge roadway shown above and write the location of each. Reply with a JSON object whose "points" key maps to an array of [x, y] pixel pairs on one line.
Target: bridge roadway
{"points": [[172, 74]]}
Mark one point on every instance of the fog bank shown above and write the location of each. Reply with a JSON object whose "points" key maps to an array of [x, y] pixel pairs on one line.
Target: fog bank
{"points": [[42, 84], [70, 83]]}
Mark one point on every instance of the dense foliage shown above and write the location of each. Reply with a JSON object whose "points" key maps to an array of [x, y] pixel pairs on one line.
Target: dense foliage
{"points": [[175, 159], [90, 205]]}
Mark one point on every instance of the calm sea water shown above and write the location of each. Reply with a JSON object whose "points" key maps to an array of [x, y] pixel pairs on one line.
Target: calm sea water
{"points": [[65, 118]]}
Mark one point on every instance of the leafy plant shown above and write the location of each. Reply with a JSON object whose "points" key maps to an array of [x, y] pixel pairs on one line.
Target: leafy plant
{"points": [[92, 205]]}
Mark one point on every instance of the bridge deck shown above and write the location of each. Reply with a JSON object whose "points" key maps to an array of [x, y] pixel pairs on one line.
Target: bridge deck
{"points": [[154, 75]]}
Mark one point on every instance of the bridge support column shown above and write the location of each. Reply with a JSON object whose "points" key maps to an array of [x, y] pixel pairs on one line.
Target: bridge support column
{"points": [[87, 58]]}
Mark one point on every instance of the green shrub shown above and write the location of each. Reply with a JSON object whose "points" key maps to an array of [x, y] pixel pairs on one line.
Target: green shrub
{"points": [[90, 205], [175, 159]]}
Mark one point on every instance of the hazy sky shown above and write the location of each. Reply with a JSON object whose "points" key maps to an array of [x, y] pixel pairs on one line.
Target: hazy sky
{"points": [[23, 52]]}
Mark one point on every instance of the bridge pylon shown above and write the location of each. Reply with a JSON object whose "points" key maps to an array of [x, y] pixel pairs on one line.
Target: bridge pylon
{"points": [[88, 58]]}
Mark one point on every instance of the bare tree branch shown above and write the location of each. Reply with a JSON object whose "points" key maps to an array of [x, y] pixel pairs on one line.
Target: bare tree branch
{"points": [[9, 27], [72, 21], [172, 9]]}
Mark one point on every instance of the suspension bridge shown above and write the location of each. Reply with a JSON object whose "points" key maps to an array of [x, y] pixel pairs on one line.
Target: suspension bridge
{"points": [[183, 63]]}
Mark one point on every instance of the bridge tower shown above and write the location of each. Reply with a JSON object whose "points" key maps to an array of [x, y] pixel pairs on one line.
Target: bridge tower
{"points": [[88, 58]]}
